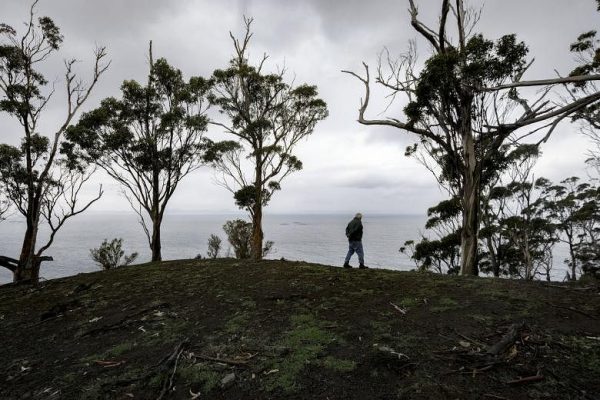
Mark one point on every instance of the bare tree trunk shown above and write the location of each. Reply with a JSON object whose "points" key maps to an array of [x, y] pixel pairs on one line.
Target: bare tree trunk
{"points": [[493, 259], [257, 233], [528, 260], [256, 250], [573, 276], [155, 240], [156, 217], [470, 196], [26, 265], [26, 270], [470, 228]]}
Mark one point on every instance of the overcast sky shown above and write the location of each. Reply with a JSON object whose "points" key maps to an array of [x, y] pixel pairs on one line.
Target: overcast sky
{"points": [[347, 167]]}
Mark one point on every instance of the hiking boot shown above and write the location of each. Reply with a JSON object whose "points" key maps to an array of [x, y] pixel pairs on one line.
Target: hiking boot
{"points": [[346, 265], [363, 266]]}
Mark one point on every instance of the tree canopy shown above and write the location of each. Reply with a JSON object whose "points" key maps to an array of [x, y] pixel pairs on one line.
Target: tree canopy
{"points": [[148, 140], [268, 117]]}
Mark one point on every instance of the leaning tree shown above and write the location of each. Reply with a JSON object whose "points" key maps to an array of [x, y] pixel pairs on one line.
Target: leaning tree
{"points": [[35, 176], [465, 103], [269, 117], [148, 141]]}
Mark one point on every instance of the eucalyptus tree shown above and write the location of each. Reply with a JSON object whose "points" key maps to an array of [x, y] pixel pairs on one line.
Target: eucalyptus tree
{"points": [[530, 232], [149, 140], [574, 208], [438, 252], [466, 102], [514, 166], [587, 52], [498, 254], [268, 117], [37, 181]]}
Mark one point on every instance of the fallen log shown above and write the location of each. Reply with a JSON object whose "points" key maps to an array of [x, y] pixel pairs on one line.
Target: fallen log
{"points": [[514, 333]]}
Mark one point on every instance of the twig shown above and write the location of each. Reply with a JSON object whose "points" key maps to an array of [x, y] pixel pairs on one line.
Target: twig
{"points": [[108, 363], [160, 366], [174, 357], [574, 310], [399, 309], [222, 360], [478, 343], [493, 396], [118, 324], [479, 370], [528, 379], [475, 370]]}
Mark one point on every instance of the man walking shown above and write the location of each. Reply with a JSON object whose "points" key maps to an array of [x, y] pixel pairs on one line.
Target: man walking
{"points": [[354, 232]]}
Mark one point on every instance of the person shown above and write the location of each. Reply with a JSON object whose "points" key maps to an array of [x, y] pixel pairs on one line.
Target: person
{"points": [[354, 233]]}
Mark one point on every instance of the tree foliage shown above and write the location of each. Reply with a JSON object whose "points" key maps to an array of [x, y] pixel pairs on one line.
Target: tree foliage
{"points": [[268, 117], [466, 104], [574, 208], [148, 140], [587, 53], [110, 255], [36, 179], [214, 246], [239, 235]]}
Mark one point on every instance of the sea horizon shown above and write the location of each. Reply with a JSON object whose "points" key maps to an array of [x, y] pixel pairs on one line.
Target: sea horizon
{"points": [[310, 237]]}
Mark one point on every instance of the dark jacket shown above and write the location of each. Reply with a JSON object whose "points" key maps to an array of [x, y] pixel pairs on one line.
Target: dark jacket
{"points": [[354, 230]]}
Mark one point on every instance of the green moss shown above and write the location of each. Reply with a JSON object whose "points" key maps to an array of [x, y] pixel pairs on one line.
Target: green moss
{"points": [[121, 349], [237, 323], [381, 329], [338, 364], [409, 302], [249, 304], [69, 378], [585, 354], [444, 304], [113, 352], [156, 381], [200, 374], [170, 331], [306, 341]]}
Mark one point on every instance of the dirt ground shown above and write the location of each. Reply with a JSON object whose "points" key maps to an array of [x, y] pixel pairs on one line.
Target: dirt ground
{"points": [[225, 329]]}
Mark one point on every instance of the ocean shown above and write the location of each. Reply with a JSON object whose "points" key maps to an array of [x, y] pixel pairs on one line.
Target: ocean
{"points": [[312, 238]]}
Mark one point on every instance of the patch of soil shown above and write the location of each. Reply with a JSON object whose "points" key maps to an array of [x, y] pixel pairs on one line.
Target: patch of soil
{"points": [[226, 329]]}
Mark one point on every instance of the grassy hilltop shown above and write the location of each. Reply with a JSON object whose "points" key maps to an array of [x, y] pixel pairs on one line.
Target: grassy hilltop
{"points": [[226, 329]]}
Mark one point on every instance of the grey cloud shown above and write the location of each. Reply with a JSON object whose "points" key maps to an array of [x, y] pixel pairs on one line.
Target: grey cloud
{"points": [[369, 182], [315, 39], [382, 179], [389, 135]]}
